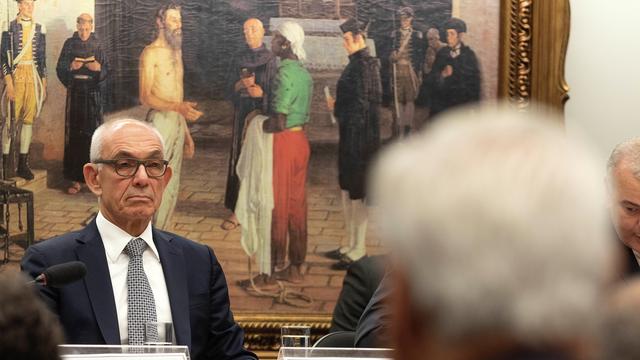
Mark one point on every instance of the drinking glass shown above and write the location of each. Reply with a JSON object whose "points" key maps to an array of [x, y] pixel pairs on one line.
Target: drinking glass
{"points": [[295, 335], [164, 331]]}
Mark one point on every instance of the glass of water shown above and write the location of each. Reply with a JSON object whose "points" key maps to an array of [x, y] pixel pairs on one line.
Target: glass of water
{"points": [[158, 333], [295, 335]]}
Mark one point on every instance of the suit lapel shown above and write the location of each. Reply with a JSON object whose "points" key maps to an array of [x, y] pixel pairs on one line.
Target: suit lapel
{"points": [[98, 282], [175, 276]]}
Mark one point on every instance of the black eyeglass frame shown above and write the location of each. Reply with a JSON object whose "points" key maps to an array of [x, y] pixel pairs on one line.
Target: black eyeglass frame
{"points": [[139, 162]]}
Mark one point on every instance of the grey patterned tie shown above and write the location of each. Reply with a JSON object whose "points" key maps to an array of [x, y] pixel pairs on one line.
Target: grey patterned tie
{"points": [[142, 306]]}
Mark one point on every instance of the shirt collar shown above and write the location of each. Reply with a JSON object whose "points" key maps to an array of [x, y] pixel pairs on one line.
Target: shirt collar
{"points": [[115, 239], [360, 53], [455, 51]]}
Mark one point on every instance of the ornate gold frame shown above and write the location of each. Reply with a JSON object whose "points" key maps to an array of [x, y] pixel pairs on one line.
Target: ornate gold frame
{"points": [[533, 43], [533, 40]]}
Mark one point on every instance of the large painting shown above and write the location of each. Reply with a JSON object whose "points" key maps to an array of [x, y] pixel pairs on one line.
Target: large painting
{"points": [[500, 35]]}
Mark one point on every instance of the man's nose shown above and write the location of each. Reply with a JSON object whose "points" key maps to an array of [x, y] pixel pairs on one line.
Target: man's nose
{"points": [[141, 177]]}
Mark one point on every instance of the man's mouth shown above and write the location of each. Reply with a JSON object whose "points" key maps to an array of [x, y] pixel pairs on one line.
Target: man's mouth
{"points": [[139, 197]]}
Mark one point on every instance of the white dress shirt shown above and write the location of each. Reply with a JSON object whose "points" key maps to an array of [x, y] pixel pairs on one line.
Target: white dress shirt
{"points": [[115, 240]]}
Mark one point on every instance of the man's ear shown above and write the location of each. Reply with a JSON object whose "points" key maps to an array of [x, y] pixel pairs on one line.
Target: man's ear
{"points": [[90, 172], [167, 176]]}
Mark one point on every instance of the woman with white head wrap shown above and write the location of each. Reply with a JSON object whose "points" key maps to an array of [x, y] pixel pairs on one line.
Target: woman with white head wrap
{"points": [[290, 109]]}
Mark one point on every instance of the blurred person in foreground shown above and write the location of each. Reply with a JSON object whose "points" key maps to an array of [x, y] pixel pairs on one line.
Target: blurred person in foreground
{"points": [[623, 180], [28, 330], [500, 239], [621, 325]]}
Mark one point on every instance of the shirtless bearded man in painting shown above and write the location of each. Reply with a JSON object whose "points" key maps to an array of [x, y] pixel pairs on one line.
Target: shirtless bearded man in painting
{"points": [[162, 89]]}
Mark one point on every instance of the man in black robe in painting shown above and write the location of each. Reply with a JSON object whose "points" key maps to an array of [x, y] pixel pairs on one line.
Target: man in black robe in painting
{"points": [[249, 89], [455, 76], [357, 108], [82, 69]]}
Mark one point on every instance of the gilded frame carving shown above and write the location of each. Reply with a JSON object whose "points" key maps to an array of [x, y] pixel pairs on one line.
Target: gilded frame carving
{"points": [[533, 42]]}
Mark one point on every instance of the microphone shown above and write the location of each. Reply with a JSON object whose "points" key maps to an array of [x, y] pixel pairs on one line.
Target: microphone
{"points": [[60, 275]]}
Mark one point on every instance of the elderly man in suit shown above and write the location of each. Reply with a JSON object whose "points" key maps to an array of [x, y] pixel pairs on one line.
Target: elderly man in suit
{"points": [[136, 273]]}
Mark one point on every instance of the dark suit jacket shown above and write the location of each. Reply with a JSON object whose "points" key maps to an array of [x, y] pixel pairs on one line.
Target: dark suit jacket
{"points": [[373, 327], [360, 282], [197, 289]]}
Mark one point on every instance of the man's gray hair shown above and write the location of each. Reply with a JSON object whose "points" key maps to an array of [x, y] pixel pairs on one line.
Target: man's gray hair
{"points": [[97, 140], [629, 151], [500, 224]]}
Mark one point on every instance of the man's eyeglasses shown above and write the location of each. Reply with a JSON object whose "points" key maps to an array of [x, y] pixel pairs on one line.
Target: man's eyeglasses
{"points": [[155, 168]]}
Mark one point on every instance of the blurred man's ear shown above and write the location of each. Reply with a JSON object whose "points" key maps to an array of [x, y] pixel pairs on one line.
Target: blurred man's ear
{"points": [[90, 172], [408, 327]]}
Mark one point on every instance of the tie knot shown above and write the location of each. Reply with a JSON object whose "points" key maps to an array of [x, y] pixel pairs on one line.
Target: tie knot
{"points": [[135, 247]]}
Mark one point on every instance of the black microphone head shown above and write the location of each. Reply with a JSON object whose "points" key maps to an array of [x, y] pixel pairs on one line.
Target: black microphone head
{"points": [[62, 274]]}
